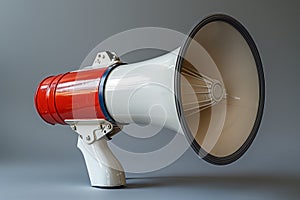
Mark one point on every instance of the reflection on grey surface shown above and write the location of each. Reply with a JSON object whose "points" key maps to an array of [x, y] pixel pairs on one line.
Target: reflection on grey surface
{"points": [[49, 181]]}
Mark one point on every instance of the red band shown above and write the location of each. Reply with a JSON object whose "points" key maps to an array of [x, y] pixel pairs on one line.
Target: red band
{"points": [[72, 95]]}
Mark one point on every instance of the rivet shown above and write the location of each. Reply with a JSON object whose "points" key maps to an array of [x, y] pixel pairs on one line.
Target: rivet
{"points": [[73, 127]]}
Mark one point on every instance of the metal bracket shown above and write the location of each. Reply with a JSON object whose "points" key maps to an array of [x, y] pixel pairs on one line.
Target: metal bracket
{"points": [[104, 59], [90, 130]]}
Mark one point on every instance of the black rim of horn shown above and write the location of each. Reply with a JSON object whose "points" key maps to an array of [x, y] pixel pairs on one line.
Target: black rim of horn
{"points": [[196, 147]]}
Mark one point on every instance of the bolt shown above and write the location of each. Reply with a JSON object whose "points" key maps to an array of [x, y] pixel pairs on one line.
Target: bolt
{"points": [[73, 127], [88, 138]]}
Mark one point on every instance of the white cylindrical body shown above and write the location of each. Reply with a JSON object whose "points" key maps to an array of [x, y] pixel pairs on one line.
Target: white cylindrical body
{"points": [[143, 92]]}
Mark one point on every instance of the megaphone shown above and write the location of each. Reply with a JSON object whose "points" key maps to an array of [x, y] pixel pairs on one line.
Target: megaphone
{"points": [[211, 89]]}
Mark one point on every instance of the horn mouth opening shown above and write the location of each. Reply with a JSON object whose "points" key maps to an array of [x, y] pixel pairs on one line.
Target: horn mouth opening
{"points": [[231, 98]]}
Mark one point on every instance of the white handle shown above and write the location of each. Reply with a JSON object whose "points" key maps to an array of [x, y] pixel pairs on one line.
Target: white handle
{"points": [[103, 167]]}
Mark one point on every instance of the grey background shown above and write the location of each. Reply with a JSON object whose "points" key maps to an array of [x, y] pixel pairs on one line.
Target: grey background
{"points": [[39, 38]]}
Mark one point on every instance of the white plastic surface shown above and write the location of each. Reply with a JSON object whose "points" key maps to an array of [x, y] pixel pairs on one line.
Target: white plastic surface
{"points": [[135, 92], [103, 167]]}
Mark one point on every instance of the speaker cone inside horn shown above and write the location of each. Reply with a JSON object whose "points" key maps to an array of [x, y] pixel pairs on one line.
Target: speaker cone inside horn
{"points": [[221, 89]]}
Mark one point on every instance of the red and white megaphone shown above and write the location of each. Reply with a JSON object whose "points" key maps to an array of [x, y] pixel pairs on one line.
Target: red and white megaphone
{"points": [[211, 89]]}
